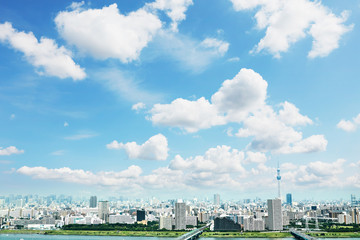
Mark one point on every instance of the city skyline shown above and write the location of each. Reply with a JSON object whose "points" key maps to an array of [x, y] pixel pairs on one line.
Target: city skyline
{"points": [[180, 98]]}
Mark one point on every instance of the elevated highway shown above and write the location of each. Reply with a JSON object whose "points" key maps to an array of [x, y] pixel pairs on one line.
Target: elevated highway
{"points": [[301, 236], [194, 234]]}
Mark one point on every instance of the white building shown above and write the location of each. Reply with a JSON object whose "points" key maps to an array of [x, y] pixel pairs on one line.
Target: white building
{"points": [[275, 222], [259, 224], [165, 223], [103, 210], [127, 219], [180, 216], [191, 220], [41, 226]]}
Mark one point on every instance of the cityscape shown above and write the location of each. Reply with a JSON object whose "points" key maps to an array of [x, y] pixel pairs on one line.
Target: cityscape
{"points": [[179, 119], [53, 212]]}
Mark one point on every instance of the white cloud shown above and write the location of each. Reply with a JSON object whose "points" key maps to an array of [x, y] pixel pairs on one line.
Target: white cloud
{"points": [[221, 159], [217, 45], [314, 143], [177, 114], [106, 33], [271, 132], [290, 115], [221, 167], [288, 166], [12, 116], [326, 169], [138, 106], [243, 94], [317, 173], [288, 21], [45, 55], [10, 150], [357, 164], [255, 157], [348, 125], [66, 124], [236, 98], [125, 178], [76, 5], [268, 131], [242, 100], [174, 9], [156, 148]]}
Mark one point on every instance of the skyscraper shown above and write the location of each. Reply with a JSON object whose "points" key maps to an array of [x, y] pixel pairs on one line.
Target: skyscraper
{"points": [[180, 216], [140, 215], [216, 199], [93, 202], [353, 200], [275, 221], [103, 210], [289, 199]]}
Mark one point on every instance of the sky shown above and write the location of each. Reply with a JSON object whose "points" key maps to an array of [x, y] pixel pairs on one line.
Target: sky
{"points": [[180, 98]]}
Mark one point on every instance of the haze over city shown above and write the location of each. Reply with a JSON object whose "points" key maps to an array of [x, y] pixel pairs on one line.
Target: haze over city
{"points": [[180, 99]]}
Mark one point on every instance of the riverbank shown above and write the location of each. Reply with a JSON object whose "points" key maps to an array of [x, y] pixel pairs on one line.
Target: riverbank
{"points": [[246, 235], [98, 233], [335, 234], [175, 234]]}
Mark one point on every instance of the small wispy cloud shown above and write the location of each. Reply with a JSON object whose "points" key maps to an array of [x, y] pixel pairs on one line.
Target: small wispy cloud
{"points": [[80, 136], [58, 153], [66, 124], [126, 86], [12, 116], [233, 59], [138, 106]]}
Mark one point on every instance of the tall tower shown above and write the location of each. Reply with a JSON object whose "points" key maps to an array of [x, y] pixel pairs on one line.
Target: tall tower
{"points": [[278, 177]]}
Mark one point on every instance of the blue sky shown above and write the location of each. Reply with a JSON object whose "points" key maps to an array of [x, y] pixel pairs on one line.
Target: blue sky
{"points": [[180, 98]]}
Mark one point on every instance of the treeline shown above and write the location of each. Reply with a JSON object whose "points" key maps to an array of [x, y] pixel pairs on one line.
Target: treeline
{"points": [[341, 227], [152, 226]]}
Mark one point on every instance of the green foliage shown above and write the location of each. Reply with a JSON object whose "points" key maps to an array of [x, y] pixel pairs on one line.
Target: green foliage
{"points": [[152, 226]]}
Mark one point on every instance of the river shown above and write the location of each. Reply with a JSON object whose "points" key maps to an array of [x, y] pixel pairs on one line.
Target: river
{"points": [[64, 237]]}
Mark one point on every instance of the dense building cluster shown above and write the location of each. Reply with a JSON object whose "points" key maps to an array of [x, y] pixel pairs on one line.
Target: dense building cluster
{"points": [[52, 212]]}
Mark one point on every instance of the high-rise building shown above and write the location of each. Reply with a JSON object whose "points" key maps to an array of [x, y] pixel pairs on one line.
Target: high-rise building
{"points": [[103, 210], [289, 199], [355, 215], [140, 215], [93, 202], [274, 214], [165, 223], [353, 200], [180, 216], [217, 199]]}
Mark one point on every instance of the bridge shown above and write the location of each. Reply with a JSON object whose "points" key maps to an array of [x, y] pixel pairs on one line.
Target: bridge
{"points": [[301, 236], [194, 233]]}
